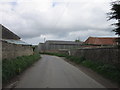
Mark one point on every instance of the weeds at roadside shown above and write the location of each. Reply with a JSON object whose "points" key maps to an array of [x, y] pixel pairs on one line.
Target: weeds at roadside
{"points": [[13, 67]]}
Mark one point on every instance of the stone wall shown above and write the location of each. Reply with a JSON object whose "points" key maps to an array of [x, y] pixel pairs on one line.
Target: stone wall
{"points": [[14, 50], [103, 54], [106, 54]]}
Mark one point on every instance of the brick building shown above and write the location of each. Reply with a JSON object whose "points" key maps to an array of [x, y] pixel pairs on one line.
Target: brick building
{"points": [[101, 41]]}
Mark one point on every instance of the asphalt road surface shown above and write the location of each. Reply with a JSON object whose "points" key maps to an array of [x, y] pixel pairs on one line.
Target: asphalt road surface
{"points": [[54, 72]]}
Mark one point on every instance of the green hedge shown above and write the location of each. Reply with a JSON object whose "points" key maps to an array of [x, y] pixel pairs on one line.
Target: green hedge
{"points": [[13, 67]]}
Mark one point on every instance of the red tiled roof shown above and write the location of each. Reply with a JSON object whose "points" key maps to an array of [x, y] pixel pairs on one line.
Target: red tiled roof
{"points": [[101, 40]]}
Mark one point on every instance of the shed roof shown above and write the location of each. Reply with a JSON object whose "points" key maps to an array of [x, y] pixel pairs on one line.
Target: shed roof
{"points": [[7, 34], [15, 41], [101, 40]]}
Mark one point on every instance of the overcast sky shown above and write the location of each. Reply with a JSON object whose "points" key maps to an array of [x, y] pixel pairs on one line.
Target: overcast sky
{"points": [[34, 20]]}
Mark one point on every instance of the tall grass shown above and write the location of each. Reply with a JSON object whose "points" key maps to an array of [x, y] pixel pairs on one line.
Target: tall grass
{"points": [[109, 71], [13, 67]]}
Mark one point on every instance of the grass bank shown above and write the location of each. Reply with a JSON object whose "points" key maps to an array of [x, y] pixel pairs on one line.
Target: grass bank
{"points": [[55, 54], [13, 67], [109, 71]]}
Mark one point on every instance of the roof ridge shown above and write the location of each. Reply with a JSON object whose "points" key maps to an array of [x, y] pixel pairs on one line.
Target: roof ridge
{"points": [[103, 37]]}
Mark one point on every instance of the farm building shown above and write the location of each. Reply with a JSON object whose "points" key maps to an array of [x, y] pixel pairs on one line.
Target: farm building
{"points": [[53, 45], [12, 45], [101, 41]]}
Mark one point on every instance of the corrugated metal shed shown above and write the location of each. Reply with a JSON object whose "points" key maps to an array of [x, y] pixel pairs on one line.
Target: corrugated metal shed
{"points": [[59, 45], [15, 41]]}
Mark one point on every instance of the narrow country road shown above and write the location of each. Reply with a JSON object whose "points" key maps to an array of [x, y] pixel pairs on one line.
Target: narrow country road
{"points": [[54, 72]]}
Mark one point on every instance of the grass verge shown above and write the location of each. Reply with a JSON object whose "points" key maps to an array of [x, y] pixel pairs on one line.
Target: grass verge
{"points": [[109, 71], [55, 54], [13, 67]]}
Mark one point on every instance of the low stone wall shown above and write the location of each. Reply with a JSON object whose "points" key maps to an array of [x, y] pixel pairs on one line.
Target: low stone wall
{"points": [[106, 54], [14, 50]]}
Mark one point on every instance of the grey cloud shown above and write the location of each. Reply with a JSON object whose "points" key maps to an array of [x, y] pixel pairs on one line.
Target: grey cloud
{"points": [[57, 20]]}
